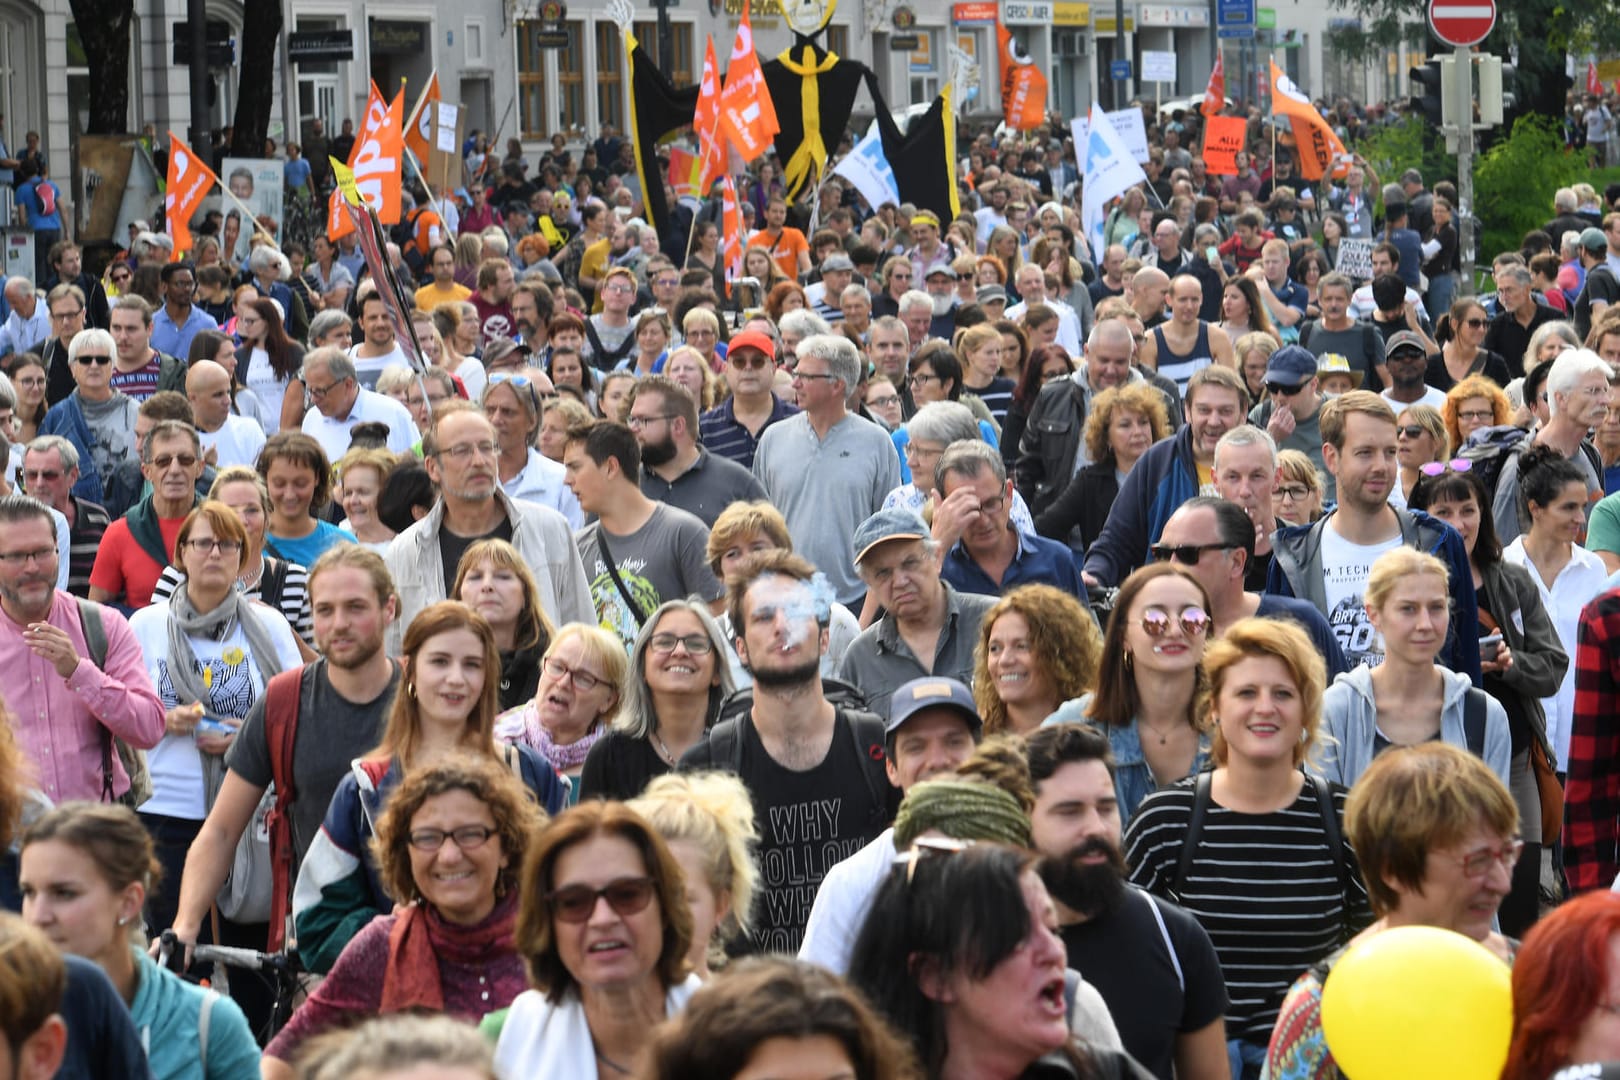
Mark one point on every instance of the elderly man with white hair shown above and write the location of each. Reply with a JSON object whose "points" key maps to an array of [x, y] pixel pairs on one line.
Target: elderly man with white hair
{"points": [[340, 403], [28, 326], [827, 469], [1577, 397]]}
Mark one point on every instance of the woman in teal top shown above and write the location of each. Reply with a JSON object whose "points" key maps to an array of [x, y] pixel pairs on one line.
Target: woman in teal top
{"points": [[86, 870]]}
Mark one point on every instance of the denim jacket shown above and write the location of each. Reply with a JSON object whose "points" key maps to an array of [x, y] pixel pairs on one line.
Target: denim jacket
{"points": [[1133, 777]]}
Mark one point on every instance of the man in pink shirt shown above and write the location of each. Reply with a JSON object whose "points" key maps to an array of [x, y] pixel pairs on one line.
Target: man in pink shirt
{"points": [[61, 705]]}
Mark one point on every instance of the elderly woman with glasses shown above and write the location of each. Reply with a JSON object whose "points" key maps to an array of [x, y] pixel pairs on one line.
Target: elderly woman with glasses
{"points": [[1297, 498], [678, 678], [582, 681]]}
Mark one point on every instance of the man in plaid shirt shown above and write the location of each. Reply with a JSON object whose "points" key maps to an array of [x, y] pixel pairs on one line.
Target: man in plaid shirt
{"points": [[1592, 791]]}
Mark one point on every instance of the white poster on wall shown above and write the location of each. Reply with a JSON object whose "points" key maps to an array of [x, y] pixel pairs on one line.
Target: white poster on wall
{"points": [[257, 183]]}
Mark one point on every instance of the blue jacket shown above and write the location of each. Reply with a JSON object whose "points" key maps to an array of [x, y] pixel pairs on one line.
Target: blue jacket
{"points": [[1162, 479], [1296, 570], [66, 419]]}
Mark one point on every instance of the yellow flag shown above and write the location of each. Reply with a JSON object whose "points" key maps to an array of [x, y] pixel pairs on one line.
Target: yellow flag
{"points": [[345, 182]]}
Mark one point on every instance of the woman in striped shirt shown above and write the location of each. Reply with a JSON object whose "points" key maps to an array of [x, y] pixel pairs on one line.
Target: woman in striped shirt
{"points": [[1255, 849]]}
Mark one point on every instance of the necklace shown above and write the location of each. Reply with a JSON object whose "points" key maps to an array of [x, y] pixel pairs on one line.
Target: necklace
{"points": [[610, 1063], [1160, 732], [663, 749]]}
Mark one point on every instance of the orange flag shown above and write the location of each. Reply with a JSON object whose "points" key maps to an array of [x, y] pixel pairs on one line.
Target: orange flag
{"points": [[419, 128], [732, 229], [1215, 92], [379, 156], [1317, 148], [1023, 86], [189, 183], [710, 161], [747, 115]]}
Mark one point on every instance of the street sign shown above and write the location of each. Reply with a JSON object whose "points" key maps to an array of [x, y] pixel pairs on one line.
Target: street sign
{"points": [[1234, 18], [1119, 70], [1462, 23]]}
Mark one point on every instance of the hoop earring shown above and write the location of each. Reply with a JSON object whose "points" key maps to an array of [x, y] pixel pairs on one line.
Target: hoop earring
{"points": [[410, 689], [1130, 660]]}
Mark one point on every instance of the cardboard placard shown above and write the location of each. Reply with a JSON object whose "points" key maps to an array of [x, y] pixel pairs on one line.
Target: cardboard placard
{"points": [[1223, 138], [1355, 259]]}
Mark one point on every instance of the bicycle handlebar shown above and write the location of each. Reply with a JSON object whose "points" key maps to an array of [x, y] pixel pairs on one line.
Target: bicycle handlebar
{"points": [[251, 959]]}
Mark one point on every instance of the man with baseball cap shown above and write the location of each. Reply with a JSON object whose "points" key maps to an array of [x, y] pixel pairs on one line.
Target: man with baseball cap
{"points": [[1292, 411], [1596, 295], [837, 271], [932, 728], [928, 628], [733, 428], [1406, 355]]}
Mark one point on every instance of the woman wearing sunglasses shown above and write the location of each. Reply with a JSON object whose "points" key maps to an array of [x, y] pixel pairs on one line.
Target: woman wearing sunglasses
{"points": [[678, 678], [605, 929], [582, 678], [1408, 698], [1420, 439], [1256, 840], [446, 707], [450, 847], [1461, 334], [1150, 683]]}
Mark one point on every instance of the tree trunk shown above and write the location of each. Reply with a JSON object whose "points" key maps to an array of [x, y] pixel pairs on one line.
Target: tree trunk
{"points": [[103, 27], [261, 29]]}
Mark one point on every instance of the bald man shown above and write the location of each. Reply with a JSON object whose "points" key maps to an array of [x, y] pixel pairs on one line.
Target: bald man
{"points": [[227, 437], [1145, 292], [29, 325], [1180, 348]]}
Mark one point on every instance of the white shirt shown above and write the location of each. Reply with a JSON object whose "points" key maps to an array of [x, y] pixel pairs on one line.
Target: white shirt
{"points": [[1068, 334], [238, 441], [26, 335], [1434, 398], [268, 390], [541, 481], [1580, 581], [1345, 567], [333, 435], [1362, 306], [841, 904], [368, 368]]}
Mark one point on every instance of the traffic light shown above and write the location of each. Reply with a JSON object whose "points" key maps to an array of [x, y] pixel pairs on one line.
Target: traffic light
{"points": [[1497, 100], [1433, 90]]}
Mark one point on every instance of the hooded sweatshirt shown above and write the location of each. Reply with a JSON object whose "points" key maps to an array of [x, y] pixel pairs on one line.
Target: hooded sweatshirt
{"points": [[1350, 717], [167, 1012]]}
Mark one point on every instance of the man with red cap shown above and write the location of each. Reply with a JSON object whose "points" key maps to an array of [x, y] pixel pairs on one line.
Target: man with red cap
{"points": [[733, 428]]}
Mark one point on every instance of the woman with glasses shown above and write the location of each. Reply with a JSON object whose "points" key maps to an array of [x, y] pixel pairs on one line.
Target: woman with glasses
{"points": [[494, 581], [882, 400], [935, 374], [1436, 835], [445, 707], [582, 680], [28, 377], [1408, 698], [1474, 402], [299, 479], [450, 846], [210, 651], [274, 364], [1553, 491], [1297, 498], [1151, 688], [1420, 439], [605, 930], [1256, 840], [678, 678], [1122, 423], [1461, 333]]}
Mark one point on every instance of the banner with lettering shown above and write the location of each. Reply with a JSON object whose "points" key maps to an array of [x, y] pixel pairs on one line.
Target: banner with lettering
{"points": [[1223, 138], [1023, 85], [189, 182], [378, 157], [1316, 147]]}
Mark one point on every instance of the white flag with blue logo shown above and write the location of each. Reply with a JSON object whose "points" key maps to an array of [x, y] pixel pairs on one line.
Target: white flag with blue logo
{"points": [[867, 168], [1110, 171]]}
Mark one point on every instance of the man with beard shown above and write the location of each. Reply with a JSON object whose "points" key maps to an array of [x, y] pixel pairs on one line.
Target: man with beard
{"points": [[674, 468], [933, 727], [815, 769], [637, 553], [342, 704], [1151, 961]]}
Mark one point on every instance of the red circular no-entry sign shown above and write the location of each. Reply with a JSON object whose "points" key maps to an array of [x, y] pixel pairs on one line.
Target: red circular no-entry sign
{"points": [[1462, 23]]}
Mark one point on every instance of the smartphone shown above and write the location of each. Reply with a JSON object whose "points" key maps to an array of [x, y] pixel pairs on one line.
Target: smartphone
{"points": [[1489, 648], [211, 725], [1211, 254]]}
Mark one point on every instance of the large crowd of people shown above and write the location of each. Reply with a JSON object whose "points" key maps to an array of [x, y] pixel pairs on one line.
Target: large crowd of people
{"points": [[960, 649]]}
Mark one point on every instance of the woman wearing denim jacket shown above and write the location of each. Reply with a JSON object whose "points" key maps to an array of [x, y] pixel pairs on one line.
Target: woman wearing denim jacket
{"points": [[1151, 683]]}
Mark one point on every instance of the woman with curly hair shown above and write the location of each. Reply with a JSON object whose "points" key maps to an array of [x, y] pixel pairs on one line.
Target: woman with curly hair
{"points": [[987, 270], [1038, 647], [783, 297], [1124, 421], [1473, 403]]}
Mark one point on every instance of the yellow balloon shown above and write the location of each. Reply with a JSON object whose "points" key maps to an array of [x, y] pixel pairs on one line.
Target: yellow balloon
{"points": [[1418, 1002]]}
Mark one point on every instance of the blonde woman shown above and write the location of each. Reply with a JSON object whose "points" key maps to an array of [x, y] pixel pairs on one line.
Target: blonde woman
{"points": [[1297, 498], [582, 679], [361, 475]]}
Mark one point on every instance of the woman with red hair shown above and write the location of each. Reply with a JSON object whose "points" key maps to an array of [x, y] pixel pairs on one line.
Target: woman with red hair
{"points": [[1566, 990]]}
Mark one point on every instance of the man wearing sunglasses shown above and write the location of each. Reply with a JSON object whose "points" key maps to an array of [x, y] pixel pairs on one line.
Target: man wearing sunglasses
{"points": [[98, 420], [733, 428], [1292, 411], [137, 546]]}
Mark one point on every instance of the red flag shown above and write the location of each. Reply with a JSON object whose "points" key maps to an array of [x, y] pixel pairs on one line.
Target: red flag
{"points": [[732, 229], [711, 155], [1215, 92], [1023, 86], [419, 128], [747, 115], [1594, 85], [189, 182]]}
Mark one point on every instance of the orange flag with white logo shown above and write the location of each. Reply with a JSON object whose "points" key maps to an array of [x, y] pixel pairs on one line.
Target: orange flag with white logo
{"points": [[189, 182], [1316, 147], [378, 156], [419, 128], [731, 224], [1023, 86], [1215, 92], [710, 161], [747, 115]]}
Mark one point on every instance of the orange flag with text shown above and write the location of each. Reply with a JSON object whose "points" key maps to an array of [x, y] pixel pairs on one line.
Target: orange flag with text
{"points": [[1316, 147], [1023, 86], [747, 115], [189, 182], [710, 160]]}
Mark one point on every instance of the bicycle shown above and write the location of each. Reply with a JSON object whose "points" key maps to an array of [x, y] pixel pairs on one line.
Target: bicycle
{"points": [[281, 970]]}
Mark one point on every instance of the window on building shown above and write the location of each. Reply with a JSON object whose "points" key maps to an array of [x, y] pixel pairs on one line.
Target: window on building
{"points": [[687, 63], [571, 77], [610, 88], [533, 119]]}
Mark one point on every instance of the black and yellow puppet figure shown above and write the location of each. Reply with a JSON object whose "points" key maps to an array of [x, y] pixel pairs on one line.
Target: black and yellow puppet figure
{"points": [[813, 91]]}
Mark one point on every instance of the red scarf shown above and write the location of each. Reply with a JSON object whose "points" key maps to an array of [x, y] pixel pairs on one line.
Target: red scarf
{"points": [[421, 939]]}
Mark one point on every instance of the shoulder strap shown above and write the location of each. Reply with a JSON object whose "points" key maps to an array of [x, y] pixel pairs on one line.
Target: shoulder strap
{"points": [[514, 761], [1203, 795], [1330, 828], [867, 732], [1153, 903], [1305, 333], [204, 1016], [272, 581], [281, 703], [618, 582], [1474, 721], [95, 632], [725, 745]]}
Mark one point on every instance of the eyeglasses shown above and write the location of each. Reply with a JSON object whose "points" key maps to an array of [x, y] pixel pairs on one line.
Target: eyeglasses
{"points": [[32, 383], [98, 359], [61, 315], [1156, 622], [202, 545], [1477, 416], [186, 461], [1412, 431], [748, 361], [626, 896], [22, 558], [1293, 492], [636, 423], [922, 379], [50, 476], [696, 644], [813, 376], [1477, 864], [618, 289], [467, 838], [1436, 468], [915, 450], [884, 401], [582, 680], [1185, 554], [464, 451], [316, 393]]}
